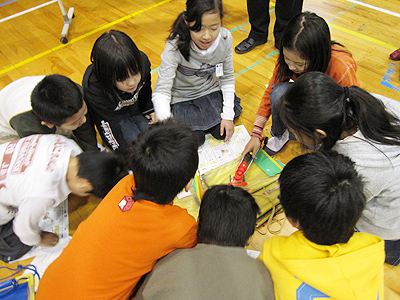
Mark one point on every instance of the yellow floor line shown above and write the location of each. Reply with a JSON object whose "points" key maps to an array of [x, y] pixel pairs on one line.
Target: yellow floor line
{"points": [[24, 62], [363, 36]]}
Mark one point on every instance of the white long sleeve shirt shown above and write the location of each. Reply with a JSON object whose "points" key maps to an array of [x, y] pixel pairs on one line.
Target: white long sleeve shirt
{"points": [[32, 179], [379, 165], [180, 80]]}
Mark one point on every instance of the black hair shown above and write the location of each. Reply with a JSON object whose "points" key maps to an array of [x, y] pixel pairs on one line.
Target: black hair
{"points": [[323, 193], [227, 216], [195, 9], [102, 169], [307, 35], [55, 99], [163, 159], [316, 101], [115, 57]]}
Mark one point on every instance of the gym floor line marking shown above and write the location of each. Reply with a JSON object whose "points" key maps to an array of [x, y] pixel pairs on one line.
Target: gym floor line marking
{"points": [[363, 36], [7, 2], [388, 77], [25, 11], [269, 55], [376, 8], [232, 30], [24, 62]]}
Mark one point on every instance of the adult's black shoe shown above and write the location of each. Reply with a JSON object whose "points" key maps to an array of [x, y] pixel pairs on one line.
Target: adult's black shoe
{"points": [[247, 45]]}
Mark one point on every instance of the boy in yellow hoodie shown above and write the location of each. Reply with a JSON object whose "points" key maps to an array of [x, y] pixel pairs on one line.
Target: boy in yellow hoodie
{"points": [[322, 196]]}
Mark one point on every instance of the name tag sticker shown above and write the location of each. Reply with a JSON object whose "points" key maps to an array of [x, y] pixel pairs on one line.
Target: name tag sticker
{"points": [[219, 69]]}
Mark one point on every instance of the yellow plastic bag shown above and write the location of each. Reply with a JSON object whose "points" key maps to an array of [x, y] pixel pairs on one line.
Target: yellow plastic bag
{"points": [[264, 188]]}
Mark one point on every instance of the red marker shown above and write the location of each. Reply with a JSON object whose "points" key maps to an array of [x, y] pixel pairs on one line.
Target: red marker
{"points": [[238, 178]]}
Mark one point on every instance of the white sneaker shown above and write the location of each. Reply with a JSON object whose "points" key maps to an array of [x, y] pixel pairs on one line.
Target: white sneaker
{"points": [[275, 144]]}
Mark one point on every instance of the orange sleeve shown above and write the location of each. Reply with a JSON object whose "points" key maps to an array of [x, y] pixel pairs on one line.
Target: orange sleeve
{"points": [[342, 68]]}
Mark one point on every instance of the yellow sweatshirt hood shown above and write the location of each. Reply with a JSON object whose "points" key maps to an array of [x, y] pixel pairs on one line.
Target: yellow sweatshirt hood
{"points": [[301, 269]]}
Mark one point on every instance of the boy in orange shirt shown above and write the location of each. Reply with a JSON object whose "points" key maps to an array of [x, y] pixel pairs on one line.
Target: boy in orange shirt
{"points": [[134, 225]]}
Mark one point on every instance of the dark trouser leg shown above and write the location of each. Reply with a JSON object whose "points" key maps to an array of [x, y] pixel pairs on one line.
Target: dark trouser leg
{"points": [[215, 132], [259, 18], [392, 250], [201, 136], [10, 245], [284, 11]]}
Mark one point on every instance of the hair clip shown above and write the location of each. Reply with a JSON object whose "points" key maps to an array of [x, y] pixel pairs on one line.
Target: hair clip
{"points": [[346, 94]]}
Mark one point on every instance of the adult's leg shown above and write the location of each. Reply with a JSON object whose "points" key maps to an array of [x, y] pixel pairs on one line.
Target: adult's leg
{"points": [[259, 18], [284, 11]]}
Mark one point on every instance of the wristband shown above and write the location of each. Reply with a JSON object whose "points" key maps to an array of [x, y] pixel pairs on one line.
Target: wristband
{"points": [[257, 132]]}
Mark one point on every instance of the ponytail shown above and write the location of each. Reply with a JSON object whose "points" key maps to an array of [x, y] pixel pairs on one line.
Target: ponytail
{"points": [[181, 31], [195, 9], [374, 121], [316, 101]]}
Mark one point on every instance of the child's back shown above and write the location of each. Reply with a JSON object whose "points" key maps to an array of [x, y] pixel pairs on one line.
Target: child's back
{"points": [[301, 268], [218, 267], [322, 196], [123, 238]]}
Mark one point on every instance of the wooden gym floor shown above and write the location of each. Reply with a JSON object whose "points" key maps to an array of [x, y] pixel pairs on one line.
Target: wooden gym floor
{"points": [[30, 45]]}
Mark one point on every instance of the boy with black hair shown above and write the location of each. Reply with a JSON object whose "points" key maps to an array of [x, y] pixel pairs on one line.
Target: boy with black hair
{"points": [[38, 172], [218, 267], [322, 195], [45, 105], [134, 225]]}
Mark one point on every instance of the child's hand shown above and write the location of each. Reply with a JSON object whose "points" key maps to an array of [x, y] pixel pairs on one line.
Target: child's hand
{"points": [[252, 146], [48, 239], [228, 127], [152, 118]]}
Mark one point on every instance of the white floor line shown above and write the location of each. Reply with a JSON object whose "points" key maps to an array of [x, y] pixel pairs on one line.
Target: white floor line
{"points": [[26, 11], [376, 8]]}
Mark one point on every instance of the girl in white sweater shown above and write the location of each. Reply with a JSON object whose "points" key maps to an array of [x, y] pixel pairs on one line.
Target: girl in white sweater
{"points": [[353, 122], [196, 82]]}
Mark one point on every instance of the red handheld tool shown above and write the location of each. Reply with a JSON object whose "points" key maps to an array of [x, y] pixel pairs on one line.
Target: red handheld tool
{"points": [[238, 178]]}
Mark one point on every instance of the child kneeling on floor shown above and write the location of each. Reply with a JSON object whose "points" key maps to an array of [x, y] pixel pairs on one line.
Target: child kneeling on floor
{"points": [[322, 195], [134, 225], [51, 104], [38, 172]]}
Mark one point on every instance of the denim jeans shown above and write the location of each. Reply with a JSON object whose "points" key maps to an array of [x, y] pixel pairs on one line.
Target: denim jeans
{"points": [[277, 127], [203, 113], [132, 126]]}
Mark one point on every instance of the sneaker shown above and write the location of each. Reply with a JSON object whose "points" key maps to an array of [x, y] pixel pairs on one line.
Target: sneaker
{"points": [[275, 144]]}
